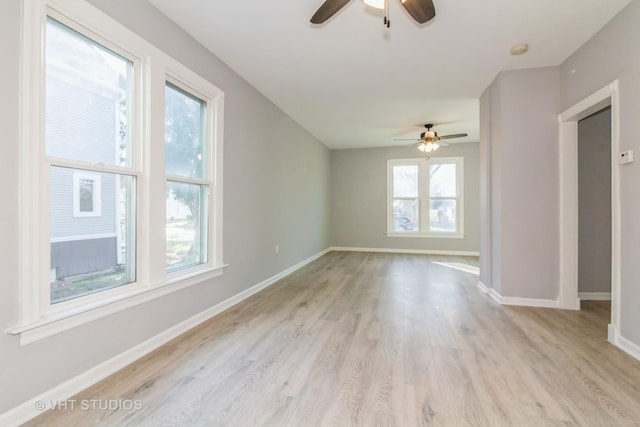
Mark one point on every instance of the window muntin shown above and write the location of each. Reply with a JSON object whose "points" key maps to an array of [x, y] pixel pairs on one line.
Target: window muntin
{"points": [[425, 197]]}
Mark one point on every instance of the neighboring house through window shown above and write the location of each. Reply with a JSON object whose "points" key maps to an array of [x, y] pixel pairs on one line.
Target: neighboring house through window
{"points": [[89, 149], [424, 197]]}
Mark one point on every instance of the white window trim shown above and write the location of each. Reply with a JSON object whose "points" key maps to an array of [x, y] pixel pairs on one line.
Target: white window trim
{"points": [[424, 197], [38, 318], [96, 194]]}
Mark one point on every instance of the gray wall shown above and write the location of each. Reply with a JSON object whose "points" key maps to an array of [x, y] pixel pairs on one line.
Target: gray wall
{"points": [[359, 199], [523, 195], [524, 168], [276, 191], [485, 188], [594, 203], [614, 53]]}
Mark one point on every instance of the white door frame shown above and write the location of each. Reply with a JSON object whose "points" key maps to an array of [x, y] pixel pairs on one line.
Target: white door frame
{"points": [[568, 153]]}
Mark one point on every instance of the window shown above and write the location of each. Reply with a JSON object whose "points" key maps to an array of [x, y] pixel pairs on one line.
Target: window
{"points": [[424, 197], [88, 96], [97, 177], [87, 194], [187, 185]]}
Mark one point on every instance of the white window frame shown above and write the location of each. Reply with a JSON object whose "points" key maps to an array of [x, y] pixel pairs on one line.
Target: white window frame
{"points": [[152, 68], [202, 93], [424, 197], [96, 194]]}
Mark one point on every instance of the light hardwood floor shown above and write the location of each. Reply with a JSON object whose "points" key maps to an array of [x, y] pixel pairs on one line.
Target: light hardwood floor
{"points": [[378, 340]]}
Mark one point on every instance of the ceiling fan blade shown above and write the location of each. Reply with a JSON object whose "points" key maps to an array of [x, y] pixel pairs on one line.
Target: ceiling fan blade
{"points": [[406, 139], [457, 135], [327, 10], [420, 10], [414, 145], [443, 144]]}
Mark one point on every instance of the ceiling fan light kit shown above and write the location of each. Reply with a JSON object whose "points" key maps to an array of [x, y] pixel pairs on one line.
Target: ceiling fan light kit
{"points": [[428, 141], [377, 4], [428, 147]]}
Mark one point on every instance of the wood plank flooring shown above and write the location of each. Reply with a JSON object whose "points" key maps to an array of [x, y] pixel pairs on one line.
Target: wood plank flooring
{"points": [[362, 339]]}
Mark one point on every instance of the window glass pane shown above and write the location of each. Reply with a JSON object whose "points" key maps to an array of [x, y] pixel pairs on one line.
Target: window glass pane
{"points": [[442, 180], [86, 203], [183, 133], [186, 225], [442, 215], [90, 253], [87, 103], [405, 215], [405, 181], [87, 199]]}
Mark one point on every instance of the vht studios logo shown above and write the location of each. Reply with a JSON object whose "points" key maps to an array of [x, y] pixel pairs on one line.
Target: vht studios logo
{"points": [[90, 405]]}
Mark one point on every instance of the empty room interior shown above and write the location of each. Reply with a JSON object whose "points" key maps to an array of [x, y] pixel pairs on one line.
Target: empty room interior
{"points": [[340, 212]]}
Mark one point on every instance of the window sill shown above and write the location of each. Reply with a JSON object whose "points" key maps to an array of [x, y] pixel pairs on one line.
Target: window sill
{"points": [[427, 235], [63, 321]]}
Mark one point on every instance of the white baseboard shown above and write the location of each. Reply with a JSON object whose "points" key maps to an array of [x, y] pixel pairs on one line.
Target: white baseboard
{"points": [[595, 296], [491, 292], [529, 302], [612, 334], [525, 302], [406, 251], [629, 347], [484, 288], [495, 295], [27, 410]]}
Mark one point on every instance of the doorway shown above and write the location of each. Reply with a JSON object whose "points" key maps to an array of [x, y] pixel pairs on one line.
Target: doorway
{"points": [[606, 97], [594, 211]]}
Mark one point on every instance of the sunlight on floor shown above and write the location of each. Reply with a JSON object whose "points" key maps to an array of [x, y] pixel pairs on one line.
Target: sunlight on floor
{"points": [[462, 267]]}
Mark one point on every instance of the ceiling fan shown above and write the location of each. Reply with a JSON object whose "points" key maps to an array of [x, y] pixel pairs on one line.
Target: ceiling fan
{"points": [[430, 141], [420, 10]]}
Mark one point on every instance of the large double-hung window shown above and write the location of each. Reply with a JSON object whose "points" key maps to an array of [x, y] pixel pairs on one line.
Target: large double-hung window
{"points": [[187, 186], [120, 170], [92, 175], [424, 197]]}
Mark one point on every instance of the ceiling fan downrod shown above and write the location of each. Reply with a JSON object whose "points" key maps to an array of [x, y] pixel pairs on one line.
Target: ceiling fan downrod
{"points": [[386, 21]]}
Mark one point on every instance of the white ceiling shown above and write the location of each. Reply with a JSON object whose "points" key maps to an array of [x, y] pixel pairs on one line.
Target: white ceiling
{"points": [[353, 83]]}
